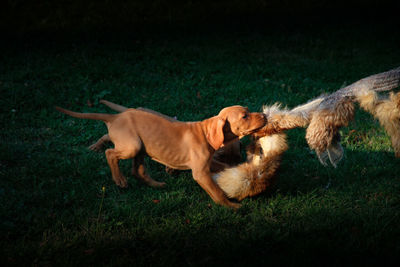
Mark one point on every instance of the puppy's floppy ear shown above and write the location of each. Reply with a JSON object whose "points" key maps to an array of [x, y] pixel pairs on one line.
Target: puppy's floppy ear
{"points": [[215, 132]]}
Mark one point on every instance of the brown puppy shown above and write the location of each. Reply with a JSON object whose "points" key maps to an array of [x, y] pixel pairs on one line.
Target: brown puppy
{"points": [[179, 145], [227, 156]]}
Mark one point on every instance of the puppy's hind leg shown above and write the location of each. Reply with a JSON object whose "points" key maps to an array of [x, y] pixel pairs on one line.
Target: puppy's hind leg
{"points": [[113, 156], [99, 144], [121, 151], [139, 171]]}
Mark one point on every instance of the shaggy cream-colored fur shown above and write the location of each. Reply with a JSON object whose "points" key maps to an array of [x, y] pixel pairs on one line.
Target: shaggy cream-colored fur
{"points": [[387, 111], [258, 173], [323, 118]]}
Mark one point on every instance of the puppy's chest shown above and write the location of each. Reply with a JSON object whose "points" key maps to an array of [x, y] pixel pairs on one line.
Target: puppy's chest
{"points": [[175, 146], [169, 155]]}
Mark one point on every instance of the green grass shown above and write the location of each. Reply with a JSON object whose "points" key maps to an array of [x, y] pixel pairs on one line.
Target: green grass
{"points": [[53, 210]]}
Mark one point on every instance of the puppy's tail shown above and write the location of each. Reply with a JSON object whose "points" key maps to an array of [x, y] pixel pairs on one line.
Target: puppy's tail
{"points": [[92, 116], [113, 106], [120, 108]]}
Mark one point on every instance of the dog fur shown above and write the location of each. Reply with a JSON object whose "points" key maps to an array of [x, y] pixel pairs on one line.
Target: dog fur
{"points": [[258, 173], [387, 111], [179, 145], [226, 156], [323, 118]]}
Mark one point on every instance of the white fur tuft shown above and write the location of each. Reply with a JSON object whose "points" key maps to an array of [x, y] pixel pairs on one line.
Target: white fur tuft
{"points": [[233, 181]]}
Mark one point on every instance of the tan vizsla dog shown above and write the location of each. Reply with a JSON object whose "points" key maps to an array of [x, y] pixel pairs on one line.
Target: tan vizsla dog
{"points": [[227, 156], [179, 145]]}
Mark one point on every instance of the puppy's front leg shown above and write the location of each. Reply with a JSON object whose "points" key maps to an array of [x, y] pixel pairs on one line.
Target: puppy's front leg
{"points": [[203, 178]]}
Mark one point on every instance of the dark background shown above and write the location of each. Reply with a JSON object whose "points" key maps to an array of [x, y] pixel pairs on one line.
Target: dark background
{"points": [[31, 17], [190, 59]]}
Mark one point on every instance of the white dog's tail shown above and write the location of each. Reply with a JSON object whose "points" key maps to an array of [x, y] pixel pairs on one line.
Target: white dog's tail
{"points": [[258, 173]]}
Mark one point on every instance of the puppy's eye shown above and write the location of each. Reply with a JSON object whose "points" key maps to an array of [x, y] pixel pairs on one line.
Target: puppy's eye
{"points": [[245, 116]]}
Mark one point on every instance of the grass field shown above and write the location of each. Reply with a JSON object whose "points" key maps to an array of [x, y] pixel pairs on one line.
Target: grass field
{"points": [[59, 205]]}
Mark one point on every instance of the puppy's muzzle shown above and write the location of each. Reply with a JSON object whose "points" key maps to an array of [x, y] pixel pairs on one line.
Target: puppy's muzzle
{"points": [[260, 121]]}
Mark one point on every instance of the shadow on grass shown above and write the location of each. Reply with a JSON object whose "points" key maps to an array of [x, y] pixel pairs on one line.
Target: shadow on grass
{"points": [[299, 223]]}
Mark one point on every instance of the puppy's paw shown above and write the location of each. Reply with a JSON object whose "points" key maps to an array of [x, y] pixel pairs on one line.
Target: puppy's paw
{"points": [[236, 206], [95, 147], [233, 205], [122, 182], [171, 171], [157, 184]]}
